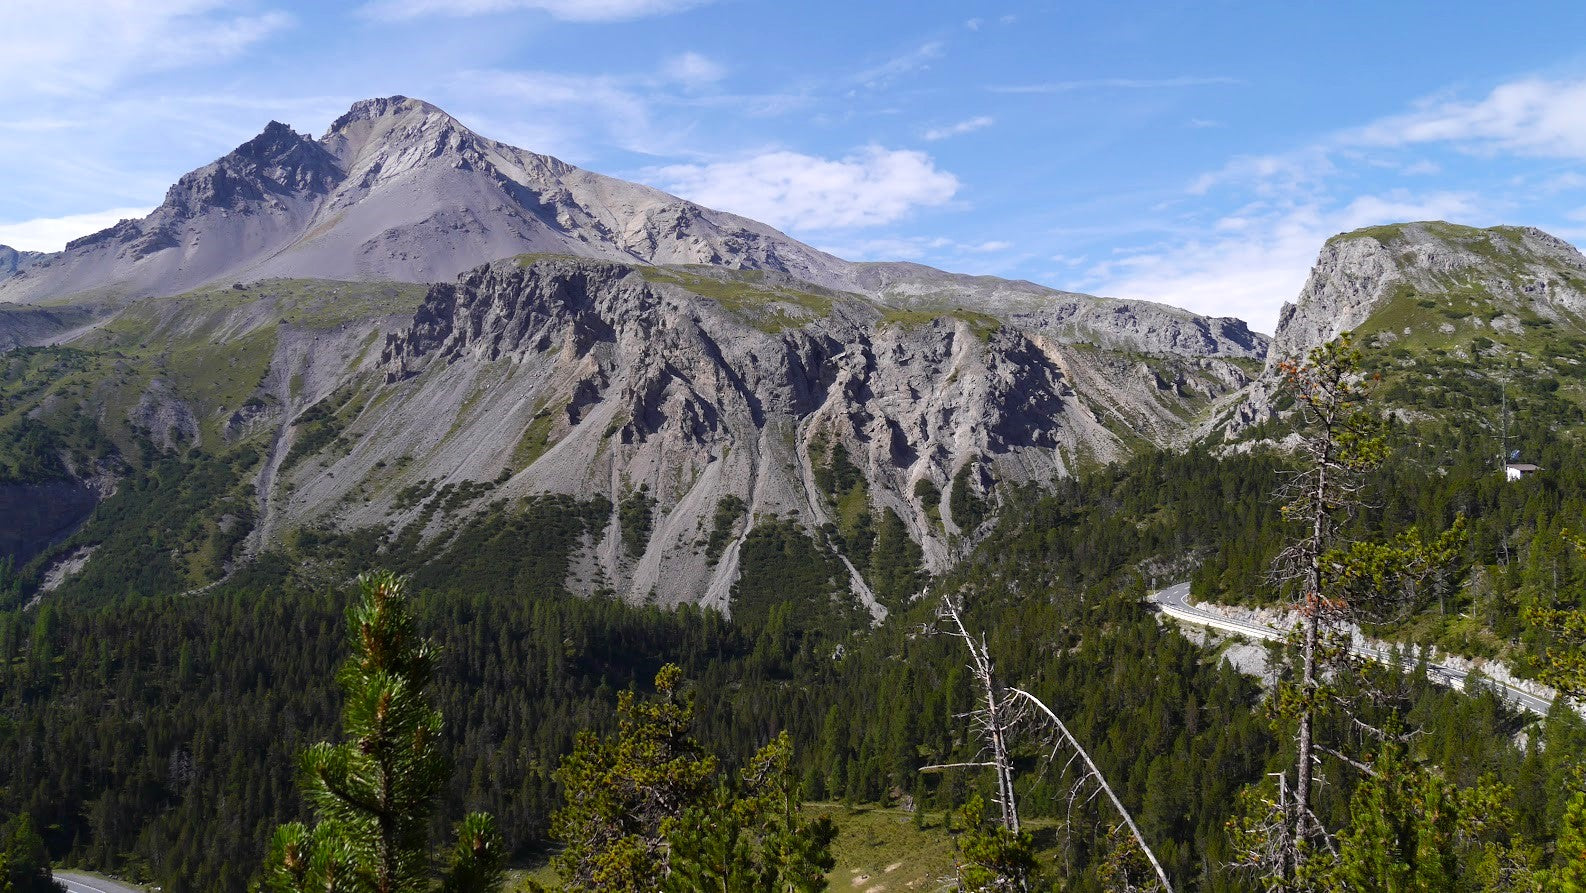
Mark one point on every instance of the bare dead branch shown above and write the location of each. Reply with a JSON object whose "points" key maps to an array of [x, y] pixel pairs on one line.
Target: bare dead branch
{"points": [[1100, 780]]}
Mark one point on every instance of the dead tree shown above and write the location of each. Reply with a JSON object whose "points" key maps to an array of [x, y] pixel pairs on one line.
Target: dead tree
{"points": [[1004, 710], [992, 722]]}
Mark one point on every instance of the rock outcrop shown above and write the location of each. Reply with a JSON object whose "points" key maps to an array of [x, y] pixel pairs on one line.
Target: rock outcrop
{"points": [[12, 260], [1358, 272], [1428, 284], [582, 377]]}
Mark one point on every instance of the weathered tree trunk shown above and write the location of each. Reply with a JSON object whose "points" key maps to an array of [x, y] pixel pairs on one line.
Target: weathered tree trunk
{"points": [[1003, 709], [1311, 611]]}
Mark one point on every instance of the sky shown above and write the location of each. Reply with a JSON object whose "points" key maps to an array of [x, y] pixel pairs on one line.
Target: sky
{"points": [[1196, 154]]}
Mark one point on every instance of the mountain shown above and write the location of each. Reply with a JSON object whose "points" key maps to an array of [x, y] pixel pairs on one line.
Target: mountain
{"points": [[11, 259], [688, 378], [1503, 280], [398, 190], [395, 189], [1450, 316]]}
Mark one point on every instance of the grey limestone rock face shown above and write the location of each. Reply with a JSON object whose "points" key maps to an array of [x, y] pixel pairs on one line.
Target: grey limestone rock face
{"points": [[585, 377], [1357, 272], [165, 418], [1499, 275]]}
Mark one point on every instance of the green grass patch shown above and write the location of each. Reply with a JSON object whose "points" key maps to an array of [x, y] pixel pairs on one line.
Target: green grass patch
{"points": [[875, 847], [984, 325], [750, 295], [536, 438]]}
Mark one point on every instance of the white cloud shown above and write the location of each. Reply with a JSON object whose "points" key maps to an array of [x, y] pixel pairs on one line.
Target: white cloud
{"points": [[802, 192], [1257, 258], [914, 248], [1252, 259], [561, 114], [882, 75], [52, 233], [566, 10], [1115, 84], [1282, 174], [1529, 117], [61, 47], [962, 127], [938, 250], [1568, 181], [693, 70]]}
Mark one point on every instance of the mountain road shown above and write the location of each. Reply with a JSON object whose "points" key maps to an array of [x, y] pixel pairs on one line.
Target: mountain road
{"points": [[1174, 601], [88, 883]]}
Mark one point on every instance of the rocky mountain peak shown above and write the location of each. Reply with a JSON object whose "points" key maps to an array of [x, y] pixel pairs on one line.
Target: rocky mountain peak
{"points": [[365, 110], [279, 162], [398, 189], [12, 260], [1358, 272], [380, 131]]}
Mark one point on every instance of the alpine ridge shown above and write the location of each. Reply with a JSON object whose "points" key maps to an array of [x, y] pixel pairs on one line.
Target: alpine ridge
{"points": [[698, 374]]}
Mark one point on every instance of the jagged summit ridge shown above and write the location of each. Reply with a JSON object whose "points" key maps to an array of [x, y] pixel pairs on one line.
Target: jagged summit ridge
{"points": [[271, 169], [714, 387], [398, 189]]}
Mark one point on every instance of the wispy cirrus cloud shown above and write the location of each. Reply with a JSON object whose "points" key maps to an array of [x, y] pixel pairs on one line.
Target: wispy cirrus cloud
{"points": [[1115, 84], [563, 114], [882, 75], [791, 190], [969, 125], [1527, 117], [591, 11], [66, 47], [1247, 262], [936, 250], [693, 69]]}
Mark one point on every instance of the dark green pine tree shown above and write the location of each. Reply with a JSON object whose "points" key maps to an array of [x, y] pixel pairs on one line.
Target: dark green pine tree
{"points": [[751, 839], [625, 792], [24, 863], [993, 858], [374, 794], [1412, 830], [1570, 875]]}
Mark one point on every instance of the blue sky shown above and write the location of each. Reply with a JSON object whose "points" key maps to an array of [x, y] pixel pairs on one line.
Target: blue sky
{"points": [[1192, 153]]}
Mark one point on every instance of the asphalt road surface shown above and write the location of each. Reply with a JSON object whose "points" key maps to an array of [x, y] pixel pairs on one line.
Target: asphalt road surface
{"points": [[1175, 602], [87, 883]]}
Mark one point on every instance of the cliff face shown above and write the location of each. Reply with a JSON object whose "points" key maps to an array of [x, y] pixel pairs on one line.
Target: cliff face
{"points": [[702, 387], [1521, 269], [1432, 293]]}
